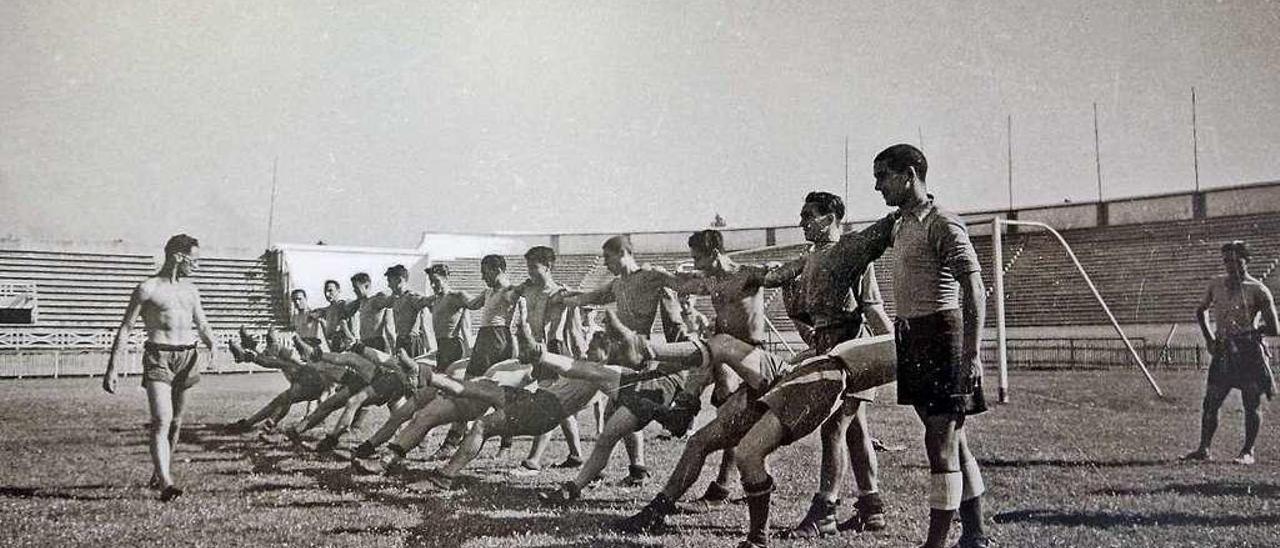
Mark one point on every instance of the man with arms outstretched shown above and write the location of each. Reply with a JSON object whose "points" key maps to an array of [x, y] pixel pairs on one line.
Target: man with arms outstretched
{"points": [[171, 312]]}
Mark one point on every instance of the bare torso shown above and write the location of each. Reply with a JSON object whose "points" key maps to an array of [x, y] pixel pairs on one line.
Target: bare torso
{"points": [[168, 310]]}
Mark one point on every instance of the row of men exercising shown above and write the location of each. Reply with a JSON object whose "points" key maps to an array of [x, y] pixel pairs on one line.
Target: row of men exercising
{"points": [[737, 294]]}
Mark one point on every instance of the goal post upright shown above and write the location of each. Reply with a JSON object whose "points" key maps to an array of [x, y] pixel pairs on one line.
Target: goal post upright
{"points": [[997, 273]]}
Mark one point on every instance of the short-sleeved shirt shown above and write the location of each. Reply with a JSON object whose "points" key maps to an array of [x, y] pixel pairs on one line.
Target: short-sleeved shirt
{"points": [[496, 311], [810, 299], [639, 295], [932, 252], [1236, 312]]}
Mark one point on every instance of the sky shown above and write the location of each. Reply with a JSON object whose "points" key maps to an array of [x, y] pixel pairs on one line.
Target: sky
{"points": [[134, 120]]}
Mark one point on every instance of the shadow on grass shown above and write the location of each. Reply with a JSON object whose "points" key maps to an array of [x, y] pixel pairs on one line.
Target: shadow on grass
{"points": [[1072, 463], [1109, 520], [77, 492], [1218, 489]]}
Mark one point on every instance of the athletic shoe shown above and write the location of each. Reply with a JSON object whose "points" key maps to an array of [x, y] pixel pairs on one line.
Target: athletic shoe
{"points": [[637, 476], [819, 521], [714, 497], [154, 483], [238, 353], [566, 493], [652, 519], [169, 493], [365, 450], [306, 351], [751, 544], [294, 436], [679, 418], [434, 481], [326, 445], [1198, 454], [974, 542], [1245, 459], [569, 462], [868, 515]]}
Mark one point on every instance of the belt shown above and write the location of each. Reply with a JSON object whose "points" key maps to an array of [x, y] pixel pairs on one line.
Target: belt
{"points": [[168, 347]]}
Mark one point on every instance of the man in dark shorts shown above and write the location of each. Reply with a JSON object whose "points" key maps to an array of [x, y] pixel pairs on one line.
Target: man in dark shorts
{"points": [[173, 317], [829, 307], [366, 313], [1243, 313], [408, 309], [778, 403], [639, 294], [451, 321], [939, 301]]}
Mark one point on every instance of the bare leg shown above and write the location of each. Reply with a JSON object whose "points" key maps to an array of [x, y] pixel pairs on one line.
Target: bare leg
{"points": [[622, 424], [946, 478], [161, 405], [1252, 400], [762, 440], [1214, 395], [472, 443]]}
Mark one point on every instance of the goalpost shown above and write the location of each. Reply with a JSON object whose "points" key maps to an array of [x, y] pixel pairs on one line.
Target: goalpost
{"points": [[998, 275]]}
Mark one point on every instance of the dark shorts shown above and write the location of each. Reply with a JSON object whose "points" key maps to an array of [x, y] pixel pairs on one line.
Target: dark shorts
{"points": [[353, 382], [387, 387], [932, 371], [450, 351], [649, 399], [376, 343], [170, 364], [1241, 362], [307, 384], [805, 397], [413, 343], [493, 344], [528, 413]]}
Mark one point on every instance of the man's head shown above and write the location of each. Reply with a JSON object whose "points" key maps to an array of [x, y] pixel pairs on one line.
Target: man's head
{"points": [[397, 277], [360, 284], [492, 269], [183, 252], [617, 253], [299, 299], [900, 175], [332, 290], [540, 260], [438, 276], [820, 216], [706, 246], [1235, 257]]}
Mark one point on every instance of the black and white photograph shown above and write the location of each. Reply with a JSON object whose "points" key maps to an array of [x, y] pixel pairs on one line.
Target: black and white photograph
{"points": [[571, 274]]}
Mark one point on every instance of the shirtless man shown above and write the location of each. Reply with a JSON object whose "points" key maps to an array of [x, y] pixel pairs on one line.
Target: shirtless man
{"points": [[1243, 313], [173, 317]]}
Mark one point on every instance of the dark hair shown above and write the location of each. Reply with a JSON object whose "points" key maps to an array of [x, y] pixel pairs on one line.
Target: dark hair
{"points": [[706, 241], [827, 203], [439, 269], [360, 278], [297, 291], [334, 283], [1238, 248], [541, 254], [902, 156], [180, 244], [618, 244], [494, 261], [397, 270]]}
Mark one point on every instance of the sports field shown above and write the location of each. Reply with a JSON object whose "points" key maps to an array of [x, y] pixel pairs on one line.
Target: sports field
{"points": [[1085, 459]]}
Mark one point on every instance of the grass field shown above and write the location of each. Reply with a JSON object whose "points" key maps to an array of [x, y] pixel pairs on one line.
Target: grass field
{"points": [[1083, 459]]}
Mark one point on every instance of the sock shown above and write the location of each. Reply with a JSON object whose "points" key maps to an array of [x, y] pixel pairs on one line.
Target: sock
{"points": [[971, 519], [758, 509]]}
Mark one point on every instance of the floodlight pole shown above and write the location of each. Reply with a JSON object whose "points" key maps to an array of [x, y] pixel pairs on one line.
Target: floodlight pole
{"points": [[1002, 357], [1096, 295]]}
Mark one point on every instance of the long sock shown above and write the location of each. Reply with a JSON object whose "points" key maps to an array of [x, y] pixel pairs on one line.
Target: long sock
{"points": [[939, 525], [758, 509], [971, 518]]}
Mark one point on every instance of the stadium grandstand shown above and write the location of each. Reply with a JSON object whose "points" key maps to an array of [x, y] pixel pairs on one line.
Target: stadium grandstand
{"points": [[1149, 257]]}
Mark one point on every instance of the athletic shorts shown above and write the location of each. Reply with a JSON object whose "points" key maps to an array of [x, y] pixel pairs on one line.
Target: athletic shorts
{"points": [[932, 372], [1241, 362], [353, 382], [413, 343], [450, 351], [170, 364], [528, 413], [827, 337], [805, 397], [493, 344], [649, 399], [307, 384], [387, 387]]}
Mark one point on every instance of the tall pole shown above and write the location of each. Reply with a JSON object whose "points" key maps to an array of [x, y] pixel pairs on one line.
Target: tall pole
{"points": [[920, 136], [1097, 150], [1195, 139], [846, 169], [1002, 355], [1009, 135], [271, 212]]}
